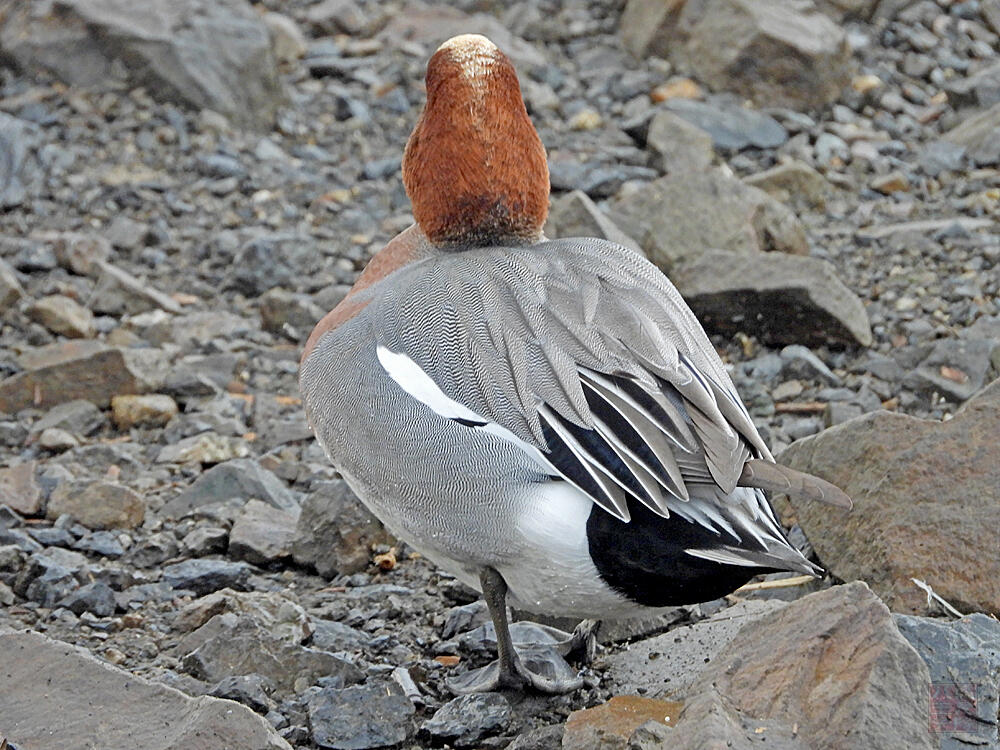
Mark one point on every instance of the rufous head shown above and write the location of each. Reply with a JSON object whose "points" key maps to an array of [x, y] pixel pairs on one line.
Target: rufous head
{"points": [[474, 167]]}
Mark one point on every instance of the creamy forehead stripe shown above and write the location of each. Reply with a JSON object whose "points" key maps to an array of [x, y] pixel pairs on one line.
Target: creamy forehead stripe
{"points": [[474, 54]]}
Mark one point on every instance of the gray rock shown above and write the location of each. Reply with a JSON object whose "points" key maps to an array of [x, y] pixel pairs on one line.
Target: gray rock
{"points": [[543, 738], [49, 575], [709, 720], [800, 57], [979, 134], [79, 417], [19, 489], [63, 315], [576, 215], [238, 480], [361, 717], [104, 543], [330, 635], [204, 448], [963, 658], [941, 156], [678, 217], [955, 368], [288, 313], [981, 89], [730, 125], [97, 505], [463, 721], [844, 676], [666, 665], [926, 504], [205, 576], [10, 286], [678, 145], [154, 550], [205, 54], [97, 598], [116, 291], [800, 362], [779, 298], [262, 533], [206, 540], [335, 532], [20, 173], [252, 690], [56, 679], [231, 644], [70, 370], [793, 183]]}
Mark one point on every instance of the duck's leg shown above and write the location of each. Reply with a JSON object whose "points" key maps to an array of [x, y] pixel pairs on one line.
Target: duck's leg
{"points": [[509, 671]]}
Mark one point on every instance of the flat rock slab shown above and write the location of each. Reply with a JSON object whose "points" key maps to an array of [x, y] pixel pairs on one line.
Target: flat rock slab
{"points": [[667, 664], [59, 696], [926, 504], [779, 298], [678, 217]]}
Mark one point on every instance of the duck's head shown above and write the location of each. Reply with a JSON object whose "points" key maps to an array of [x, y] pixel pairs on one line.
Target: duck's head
{"points": [[474, 167]]}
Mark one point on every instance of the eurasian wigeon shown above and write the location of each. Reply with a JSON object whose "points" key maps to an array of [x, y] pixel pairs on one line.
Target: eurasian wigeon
{"points": [[544, 419]]}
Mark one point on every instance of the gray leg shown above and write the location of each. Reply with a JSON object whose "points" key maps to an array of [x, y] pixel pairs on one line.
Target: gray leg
{"points": [[509, 671]]}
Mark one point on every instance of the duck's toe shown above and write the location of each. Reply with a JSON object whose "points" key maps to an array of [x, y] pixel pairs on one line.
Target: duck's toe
{"points": [[534, 668]]}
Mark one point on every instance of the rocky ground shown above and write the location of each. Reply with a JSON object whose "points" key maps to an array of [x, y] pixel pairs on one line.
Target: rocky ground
{"points": [[178, 214]]}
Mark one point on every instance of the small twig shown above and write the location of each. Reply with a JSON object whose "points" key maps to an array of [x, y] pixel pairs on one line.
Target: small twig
{"points": [[800, 407], [933, 596], [780, 583]]}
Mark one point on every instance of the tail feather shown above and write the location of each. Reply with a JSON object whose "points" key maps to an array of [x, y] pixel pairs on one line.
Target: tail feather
{"points": [[773, 477]]}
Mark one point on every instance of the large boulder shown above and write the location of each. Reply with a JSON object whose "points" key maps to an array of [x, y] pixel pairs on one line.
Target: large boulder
{"points": [[772, 51], [781, 299], [831, 664], [203, 53], [926, 504]]}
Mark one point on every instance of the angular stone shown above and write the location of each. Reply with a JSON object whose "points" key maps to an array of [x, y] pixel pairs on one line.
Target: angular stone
{"points": [[843, 674], [336, 532], [96, 598], [926, 505], [981, 89], [955, 368], [19, 490], [20, 173], [710, 721], [772, 51], [287, 40], [678, 217], [464, 720], [431, 24], [782, 299], [279, 615], [78, 252], [288, 313], [677, 145], [204, 54], [979, 134], [154, 409], [666, 664], [963, 658], [205, 576], [73, 370], [117, 291], [793, 183], [56, 679], [239, 480], [262, 533], [79, 417], [97, 505], [63, 315], [10, 286], [229, 645], [576, 215], [729, 123], [361, 717], [609, 725], [57, 440], [204, 448]]}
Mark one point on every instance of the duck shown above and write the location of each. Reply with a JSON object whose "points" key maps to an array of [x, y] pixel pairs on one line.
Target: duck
{"points": [[545, 420]]}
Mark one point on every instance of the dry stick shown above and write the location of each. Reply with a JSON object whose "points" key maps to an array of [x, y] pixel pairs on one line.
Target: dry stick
{"points": [[932, 595], [780, 583]]}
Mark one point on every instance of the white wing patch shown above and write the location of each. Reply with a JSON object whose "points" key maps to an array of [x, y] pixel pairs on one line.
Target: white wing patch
{"points": [[409, 376]]}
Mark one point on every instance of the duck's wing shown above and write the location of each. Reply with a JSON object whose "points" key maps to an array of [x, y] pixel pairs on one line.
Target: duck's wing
{"points": [[583, 354]]}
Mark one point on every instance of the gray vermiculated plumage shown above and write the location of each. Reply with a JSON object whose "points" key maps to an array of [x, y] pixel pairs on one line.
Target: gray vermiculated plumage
{"points": [[515, 334]]}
